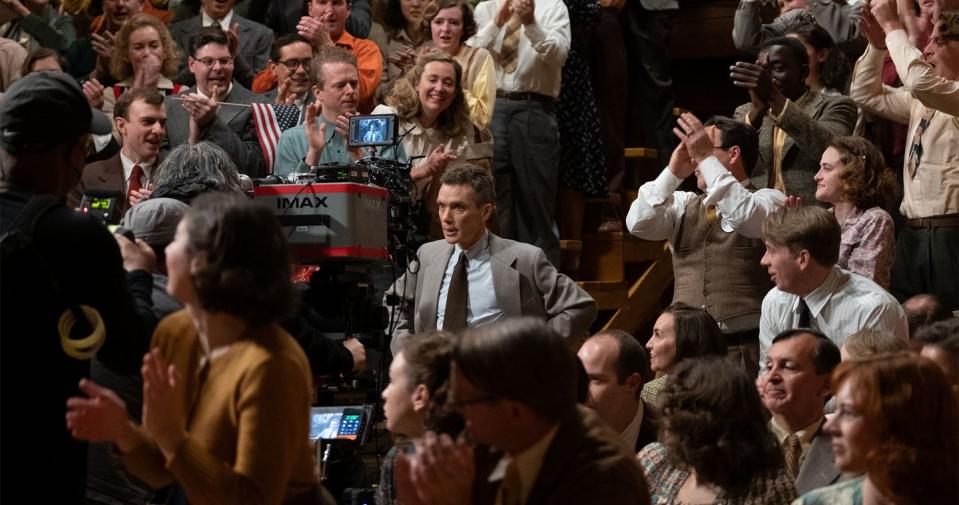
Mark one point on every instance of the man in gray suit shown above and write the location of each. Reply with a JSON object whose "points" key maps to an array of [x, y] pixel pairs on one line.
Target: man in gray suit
{"points": [[253, 39], [795, 123], [474, 277], [199, 114], [795, 389]]}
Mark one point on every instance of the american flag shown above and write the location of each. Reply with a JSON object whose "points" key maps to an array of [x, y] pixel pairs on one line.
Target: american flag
{"points": [[270, 120]]}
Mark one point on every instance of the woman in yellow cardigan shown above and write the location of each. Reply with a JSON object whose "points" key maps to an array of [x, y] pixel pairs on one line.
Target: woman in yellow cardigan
{"points": [[226, 391]]}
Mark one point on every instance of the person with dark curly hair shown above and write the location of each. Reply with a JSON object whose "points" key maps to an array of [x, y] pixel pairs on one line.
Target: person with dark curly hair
{"points": [[829, 67], [715, 447], [895, 423], [682, 331], [226, 391], [854, 179], [415, 399]]}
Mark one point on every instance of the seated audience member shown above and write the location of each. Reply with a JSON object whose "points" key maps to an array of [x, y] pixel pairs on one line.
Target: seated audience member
{"points": [[416, 400], [450, 23], [140, 120], [795, 389], [318, 141], [829, 68], [921, 311], [715, 446], [795, 123], [284, 17], [325, 26], [193, 169], [543, 447], [802, 247], [45, 127], [37, 23], [42, 59], [252, 40], [226, 390], [228, 124], [840, 21], [854, 179], [940, 343], [287, 77], [401, 19], [432, 114], [896, 423], [617, 367], [680, 332], [709, 259], [474, 277], [865, 343], [927, 103]]}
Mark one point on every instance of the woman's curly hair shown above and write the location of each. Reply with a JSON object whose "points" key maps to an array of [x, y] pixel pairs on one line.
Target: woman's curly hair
{"points": [[713, 423], [120, 65], [434, 8], [247, 268], [428, 358], [909, 403], [404, 98], [866, 180]]}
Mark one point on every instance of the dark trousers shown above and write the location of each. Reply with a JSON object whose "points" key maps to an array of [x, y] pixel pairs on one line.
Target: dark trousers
{"points": [[927, 261], [526, 168], [608, 62]]}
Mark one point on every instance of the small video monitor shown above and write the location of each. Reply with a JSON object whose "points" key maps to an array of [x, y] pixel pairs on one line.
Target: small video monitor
{"points": [[375, 130], [106, 206], [332, 423], [324, 425]]}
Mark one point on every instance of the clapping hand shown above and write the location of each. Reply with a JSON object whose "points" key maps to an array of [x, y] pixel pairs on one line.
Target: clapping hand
{"points": [[441, 472], [163, 409], [100, 416], [313, 29], [693, 135], [103, 44], [315, 134], [93, 91], [201, 108]]}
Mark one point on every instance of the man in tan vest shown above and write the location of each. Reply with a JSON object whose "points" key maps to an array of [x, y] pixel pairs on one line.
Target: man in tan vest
{"points": [[716, 236]]}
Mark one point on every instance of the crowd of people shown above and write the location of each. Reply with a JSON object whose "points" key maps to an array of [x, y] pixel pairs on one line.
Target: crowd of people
{"points": [[809, 355]]}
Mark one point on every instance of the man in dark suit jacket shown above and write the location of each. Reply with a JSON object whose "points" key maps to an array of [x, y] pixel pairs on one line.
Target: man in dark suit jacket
{"points": [[617, 366], [140, 120], [543, 448], [502, 278], [254, 39], [228, 124], [795, 123], [795, 389]]}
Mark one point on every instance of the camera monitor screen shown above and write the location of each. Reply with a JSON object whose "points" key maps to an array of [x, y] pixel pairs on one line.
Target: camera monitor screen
{"points": [[329, 423], [377, 130]]}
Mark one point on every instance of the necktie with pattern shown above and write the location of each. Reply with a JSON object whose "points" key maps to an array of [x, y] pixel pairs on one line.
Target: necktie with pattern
{"points": [[509, 50], [792, 450]]}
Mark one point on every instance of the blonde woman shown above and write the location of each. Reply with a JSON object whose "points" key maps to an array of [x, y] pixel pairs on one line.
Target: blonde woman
{"points": [[145, 56]]}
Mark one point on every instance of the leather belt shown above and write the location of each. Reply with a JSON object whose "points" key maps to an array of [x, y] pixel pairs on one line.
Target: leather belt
{"points": [[524, 96], [951, 221]]}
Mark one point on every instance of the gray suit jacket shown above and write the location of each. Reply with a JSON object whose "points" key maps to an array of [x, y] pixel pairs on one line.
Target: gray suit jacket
{"points": [[232, 129], [809, 128], [818, 468], [841, 21], [255, 39], [526, 284]]}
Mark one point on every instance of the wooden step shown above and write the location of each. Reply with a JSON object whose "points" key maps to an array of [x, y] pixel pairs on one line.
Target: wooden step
{"points": [[644, 153], [602, 258]]}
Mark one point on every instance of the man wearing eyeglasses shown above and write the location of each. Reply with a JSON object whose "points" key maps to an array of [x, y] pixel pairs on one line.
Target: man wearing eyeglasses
{"points": [[716, 236], [287, 78], [217, 108]]}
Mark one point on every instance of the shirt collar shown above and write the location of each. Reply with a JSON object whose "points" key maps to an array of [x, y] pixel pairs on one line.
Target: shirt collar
{"points": [[477, 249], [224, 23], [146, 166], [222, 96], [805, 434], [346, 40], [527, 463], [630, 435], [819, 297]]}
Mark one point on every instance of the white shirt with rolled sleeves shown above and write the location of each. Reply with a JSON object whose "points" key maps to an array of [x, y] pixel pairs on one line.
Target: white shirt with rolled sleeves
{"points": [[843, 304], [543, 46]]}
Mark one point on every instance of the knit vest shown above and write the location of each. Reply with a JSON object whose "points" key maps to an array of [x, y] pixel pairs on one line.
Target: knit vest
{"points": [[716, 270]]}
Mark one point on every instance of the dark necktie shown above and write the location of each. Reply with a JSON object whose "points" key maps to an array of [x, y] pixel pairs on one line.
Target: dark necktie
{"points": [[135, 177], [454, 319], [804, 315]]}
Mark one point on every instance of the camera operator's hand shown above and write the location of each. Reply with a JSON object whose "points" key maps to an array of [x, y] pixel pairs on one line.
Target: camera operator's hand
{"points": [[136, 255], [315, 134], [358, 351], [693, 134], [343, 130]]}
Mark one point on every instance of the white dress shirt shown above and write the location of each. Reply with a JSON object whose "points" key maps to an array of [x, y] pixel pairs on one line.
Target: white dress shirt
{"points": [[543, 46], [481, 307], [630, 435], [842, 305], [147, 168]]}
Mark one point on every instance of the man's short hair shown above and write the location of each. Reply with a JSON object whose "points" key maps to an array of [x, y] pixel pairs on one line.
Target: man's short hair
{"points": [[825, 358], [939, 332], [281, 42], [208, 35], [737, 133], [149, 96], [923, 310], [475, 177], [809, 227], [632, 355], [325, 56], [868, 342], [796, 50], [498, 359]]}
